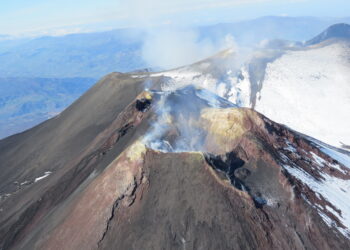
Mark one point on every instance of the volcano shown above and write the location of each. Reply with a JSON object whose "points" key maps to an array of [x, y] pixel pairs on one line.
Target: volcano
{"points": [[138, 164]]}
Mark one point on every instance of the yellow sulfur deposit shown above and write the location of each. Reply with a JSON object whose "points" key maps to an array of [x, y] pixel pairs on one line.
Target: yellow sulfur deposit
{"points": [[135, 151], [148, 95], [225, 124]]}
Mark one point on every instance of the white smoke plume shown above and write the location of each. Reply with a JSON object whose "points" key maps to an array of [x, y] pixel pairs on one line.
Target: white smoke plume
{"points": [[166, 45], [167, 49]]}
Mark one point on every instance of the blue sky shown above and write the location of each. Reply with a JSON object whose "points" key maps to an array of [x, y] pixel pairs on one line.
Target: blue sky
{"points": [[63, 16]]}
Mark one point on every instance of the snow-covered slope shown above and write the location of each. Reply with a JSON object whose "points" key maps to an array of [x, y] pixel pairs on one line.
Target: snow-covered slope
{"points": [[330, 191], [309, 91]]}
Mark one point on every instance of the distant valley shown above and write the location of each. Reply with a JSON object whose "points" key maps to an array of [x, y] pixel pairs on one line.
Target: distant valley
{"points": [[25, 102]]}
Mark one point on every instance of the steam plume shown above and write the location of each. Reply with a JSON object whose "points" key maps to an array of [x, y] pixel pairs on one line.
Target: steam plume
{"points": [[172, 48]]}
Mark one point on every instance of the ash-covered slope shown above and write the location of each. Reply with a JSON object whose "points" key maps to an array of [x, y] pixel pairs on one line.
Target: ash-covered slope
{"points": [[124, 168], [55, 149]]}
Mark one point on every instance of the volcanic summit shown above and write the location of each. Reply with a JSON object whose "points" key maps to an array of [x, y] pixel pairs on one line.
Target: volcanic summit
{"points": [[134, 167]]}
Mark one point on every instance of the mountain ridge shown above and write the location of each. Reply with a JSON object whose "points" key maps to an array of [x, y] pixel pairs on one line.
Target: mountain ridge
{"points": [[336, 31]]}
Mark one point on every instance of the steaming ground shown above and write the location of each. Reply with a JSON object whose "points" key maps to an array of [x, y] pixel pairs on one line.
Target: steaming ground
{"points": [[176, 127], [168, 49]]}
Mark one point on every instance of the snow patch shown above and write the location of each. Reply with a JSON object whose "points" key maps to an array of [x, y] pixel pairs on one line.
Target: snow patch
{"points": [[43, 176], [290, 147], [318, 159], [340, 157]]}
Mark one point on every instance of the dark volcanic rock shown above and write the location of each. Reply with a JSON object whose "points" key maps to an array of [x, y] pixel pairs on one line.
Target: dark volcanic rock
{"points": [[143, 104], [242, 173]]}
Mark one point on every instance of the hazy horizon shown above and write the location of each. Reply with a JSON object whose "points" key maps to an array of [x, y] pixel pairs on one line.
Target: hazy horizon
{"points": [[37, 17]]}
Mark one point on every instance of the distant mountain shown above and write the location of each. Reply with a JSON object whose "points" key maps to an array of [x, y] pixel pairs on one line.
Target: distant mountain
{"points": [[97, 54], [3, 37], [25, 102], [8, 43], [76, 55], [341, 30], [272, 27]]}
